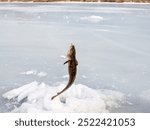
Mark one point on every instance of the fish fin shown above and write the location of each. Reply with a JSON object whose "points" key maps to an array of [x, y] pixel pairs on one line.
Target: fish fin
{"points": [[66, 61], [53, 97], [76, 62]]}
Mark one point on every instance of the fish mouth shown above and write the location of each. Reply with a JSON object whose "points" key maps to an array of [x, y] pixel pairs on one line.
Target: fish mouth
{"points": [[72, 46]]}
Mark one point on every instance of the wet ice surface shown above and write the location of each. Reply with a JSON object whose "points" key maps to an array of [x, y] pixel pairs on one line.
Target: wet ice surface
{"points": [[113, 51]]}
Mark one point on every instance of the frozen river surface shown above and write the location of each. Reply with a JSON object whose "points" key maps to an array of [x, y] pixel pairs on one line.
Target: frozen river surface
{"points": [[113, 51]]}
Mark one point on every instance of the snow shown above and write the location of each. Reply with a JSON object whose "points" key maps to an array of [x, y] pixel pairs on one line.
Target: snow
{"points": [[35, 72], [65, 76], [63, 56], [30, 72], [36, 97], [41, 74]]}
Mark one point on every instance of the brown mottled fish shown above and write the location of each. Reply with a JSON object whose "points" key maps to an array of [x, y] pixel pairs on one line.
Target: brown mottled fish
{"points": [[72, 68]]}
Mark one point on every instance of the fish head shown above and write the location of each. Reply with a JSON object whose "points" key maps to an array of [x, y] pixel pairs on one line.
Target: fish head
{"points": [[72, 46], [72, 51]]}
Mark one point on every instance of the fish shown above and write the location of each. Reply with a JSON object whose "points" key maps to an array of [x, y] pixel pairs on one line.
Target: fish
{"points": [[72, 69]]}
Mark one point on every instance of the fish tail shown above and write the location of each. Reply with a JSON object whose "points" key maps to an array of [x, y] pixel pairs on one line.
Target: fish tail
{"points": [[53, 97]]}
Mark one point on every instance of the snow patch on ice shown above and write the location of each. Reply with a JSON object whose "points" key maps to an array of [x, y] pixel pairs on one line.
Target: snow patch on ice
{"points": [[63, 56], [84, 76], [41, 74], [36, 97], [92, 18], [35, 72], [30, 72], [65, 76]]}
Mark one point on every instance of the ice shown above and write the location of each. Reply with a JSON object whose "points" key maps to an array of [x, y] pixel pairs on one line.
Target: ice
{"points": [[84, 76], [112, 46], [75, 99], [145, 95], [92, 18]]}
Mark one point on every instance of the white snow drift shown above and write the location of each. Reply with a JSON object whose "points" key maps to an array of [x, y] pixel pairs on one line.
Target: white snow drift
{"points": [[36, 97]]}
